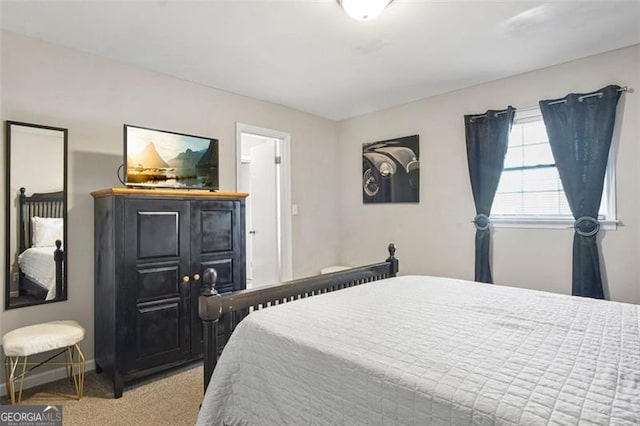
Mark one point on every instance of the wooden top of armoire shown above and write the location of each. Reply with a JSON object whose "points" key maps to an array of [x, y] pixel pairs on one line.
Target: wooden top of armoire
{"points": [[167, 192]]}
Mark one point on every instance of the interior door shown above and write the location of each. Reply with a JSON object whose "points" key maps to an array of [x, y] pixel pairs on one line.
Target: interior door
{"points": [[263, 235], [158, 309]]}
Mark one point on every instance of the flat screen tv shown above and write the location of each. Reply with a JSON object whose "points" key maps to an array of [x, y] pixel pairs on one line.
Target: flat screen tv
{"points": [[162, 159]]}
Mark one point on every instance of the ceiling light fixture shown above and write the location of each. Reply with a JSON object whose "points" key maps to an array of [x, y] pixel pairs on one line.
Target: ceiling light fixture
{"points": [[364, 10]]}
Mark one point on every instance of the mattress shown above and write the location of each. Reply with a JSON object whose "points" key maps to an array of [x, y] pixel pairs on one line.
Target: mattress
{"points": [[418, 350], [38, 264]]}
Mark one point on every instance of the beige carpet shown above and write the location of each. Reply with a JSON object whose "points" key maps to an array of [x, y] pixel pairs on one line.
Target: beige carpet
{"points": [[172, 398]]}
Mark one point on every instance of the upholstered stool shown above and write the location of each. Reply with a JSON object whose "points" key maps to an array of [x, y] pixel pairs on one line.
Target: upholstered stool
{"points": [[20, 343]]}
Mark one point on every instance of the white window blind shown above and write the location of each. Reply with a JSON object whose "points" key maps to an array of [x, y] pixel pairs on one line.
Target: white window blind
{"points": [[530, 187]]}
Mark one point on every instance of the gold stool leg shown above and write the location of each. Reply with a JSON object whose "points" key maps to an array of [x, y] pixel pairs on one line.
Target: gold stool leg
{"points": [[69, 364], [78, 379], [9, 379], [24, 373], [6, 375], [11, 366]]}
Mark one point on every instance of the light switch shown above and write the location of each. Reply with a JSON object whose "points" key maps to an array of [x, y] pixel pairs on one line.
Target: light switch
{"points": [[294, 209]]}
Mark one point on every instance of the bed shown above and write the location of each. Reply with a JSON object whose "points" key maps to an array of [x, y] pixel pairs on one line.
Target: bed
{"points": [[41, 258], [427, 350]]}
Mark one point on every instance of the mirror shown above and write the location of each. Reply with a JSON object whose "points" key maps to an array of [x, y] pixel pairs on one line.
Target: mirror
{"points": [[36, 214]]}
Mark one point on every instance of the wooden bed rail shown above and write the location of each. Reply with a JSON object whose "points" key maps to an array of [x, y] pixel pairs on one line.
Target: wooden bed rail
{"points": [[232, 307]]}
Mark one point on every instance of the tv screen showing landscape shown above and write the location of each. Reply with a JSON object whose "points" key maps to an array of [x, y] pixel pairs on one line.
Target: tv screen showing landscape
{"points": [[158, 158]]}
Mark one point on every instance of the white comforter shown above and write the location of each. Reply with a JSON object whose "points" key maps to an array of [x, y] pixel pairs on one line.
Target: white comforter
{"points": [[38, 264], [425, 350]]}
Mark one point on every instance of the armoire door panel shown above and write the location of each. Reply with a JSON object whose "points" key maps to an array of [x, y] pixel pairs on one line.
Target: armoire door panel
{"points": [[224, 269], [217, 241], [155, 282], [159, 328], [156, 257], [158, 234], [216, 227]]}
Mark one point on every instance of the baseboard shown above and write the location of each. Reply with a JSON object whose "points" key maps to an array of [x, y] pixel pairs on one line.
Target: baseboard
{"points": [[36, 379]]}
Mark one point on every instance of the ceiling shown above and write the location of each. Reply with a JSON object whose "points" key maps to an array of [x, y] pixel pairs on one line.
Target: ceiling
{"points": [[308, 55]]}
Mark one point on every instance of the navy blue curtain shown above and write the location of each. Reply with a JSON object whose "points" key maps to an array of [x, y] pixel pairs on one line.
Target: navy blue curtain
{"points": [[487, 137], [580, 128]]}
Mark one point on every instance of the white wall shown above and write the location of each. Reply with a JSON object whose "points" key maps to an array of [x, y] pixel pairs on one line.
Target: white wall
{"points": [[436, 236], [93, 98]]}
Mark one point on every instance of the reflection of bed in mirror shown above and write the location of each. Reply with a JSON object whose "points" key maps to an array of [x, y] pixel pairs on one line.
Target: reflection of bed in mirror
{"points": [[41, 235]]}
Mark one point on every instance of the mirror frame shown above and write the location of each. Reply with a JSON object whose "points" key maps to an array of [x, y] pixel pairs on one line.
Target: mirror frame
{"points": [[10, 204]]}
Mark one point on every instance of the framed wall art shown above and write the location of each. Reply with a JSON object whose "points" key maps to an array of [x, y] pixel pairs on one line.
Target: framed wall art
{"points": [[391, 171]]}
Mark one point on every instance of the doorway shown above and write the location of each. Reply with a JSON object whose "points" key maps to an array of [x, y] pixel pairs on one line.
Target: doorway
{"points": [[262, 170]]}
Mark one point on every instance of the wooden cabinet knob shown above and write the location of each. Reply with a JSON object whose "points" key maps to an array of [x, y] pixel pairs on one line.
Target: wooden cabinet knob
{"points": [[196, 277], [185, 279]]}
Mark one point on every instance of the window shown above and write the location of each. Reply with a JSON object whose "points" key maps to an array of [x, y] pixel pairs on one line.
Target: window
{"points": [[530, 191]]}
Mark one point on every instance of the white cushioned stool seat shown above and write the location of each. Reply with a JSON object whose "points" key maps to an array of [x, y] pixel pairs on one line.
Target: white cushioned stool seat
{"points": [[38, 338]]}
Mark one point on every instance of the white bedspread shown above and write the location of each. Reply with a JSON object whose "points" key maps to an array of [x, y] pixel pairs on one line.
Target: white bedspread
{"points": [[431, 351], [38, 264]]}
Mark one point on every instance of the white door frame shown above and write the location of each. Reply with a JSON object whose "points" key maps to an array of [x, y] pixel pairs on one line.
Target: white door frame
{"points": [[286, 235]]}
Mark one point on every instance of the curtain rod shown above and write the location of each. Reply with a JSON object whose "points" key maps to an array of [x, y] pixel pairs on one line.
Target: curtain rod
{"points": [[599, 94], [497, 113], [562, 101]]}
